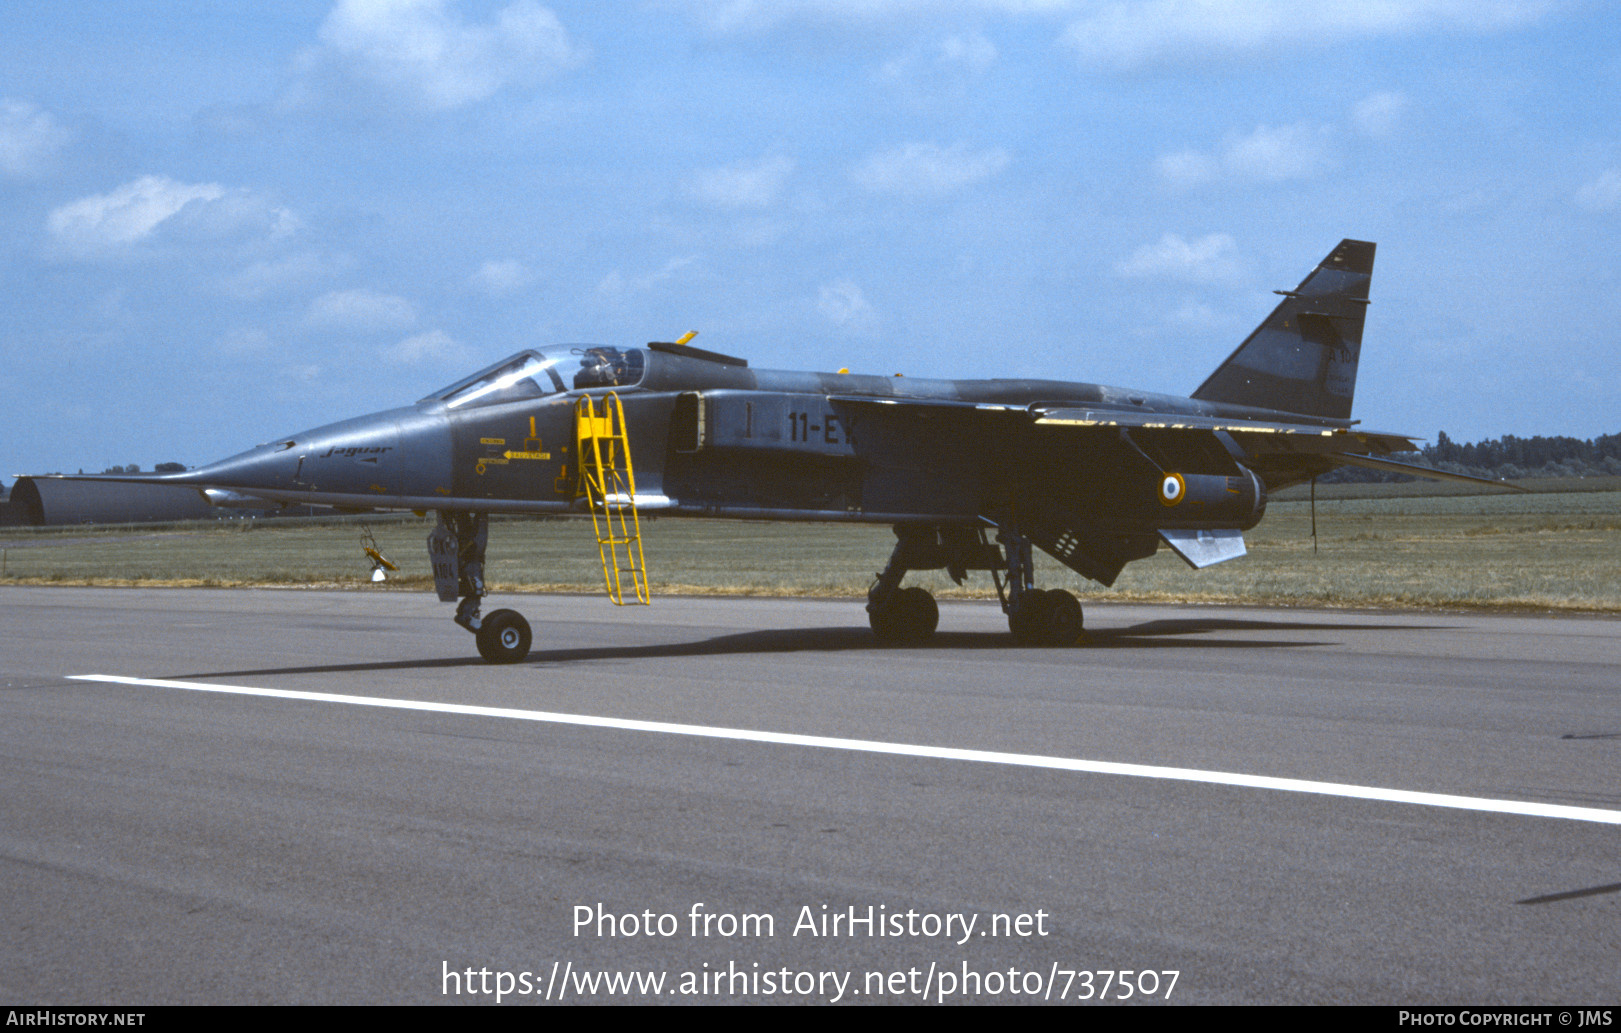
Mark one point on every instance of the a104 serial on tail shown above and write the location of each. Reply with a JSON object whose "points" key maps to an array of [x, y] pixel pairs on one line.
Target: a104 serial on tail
{"points": [[972, 474]]}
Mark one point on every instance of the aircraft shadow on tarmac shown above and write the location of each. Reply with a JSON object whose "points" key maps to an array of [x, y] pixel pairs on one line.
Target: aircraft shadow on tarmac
{"points": [[1591, 891], [1157, 634]]}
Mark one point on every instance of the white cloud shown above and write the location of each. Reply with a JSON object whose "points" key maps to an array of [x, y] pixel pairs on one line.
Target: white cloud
{"points": [[928, 170], [1379, 114], [425, 51], [973, 52], [1185, 168], [1278, 152], [1195, 315], [434, 346], [612, 285], [1127, 34], [502, 277], [615, 283], [236, 213], [1209, 259], [1268, 154], [154, 206], [1602, 194], [126, 215], [844, 305], [749, 184], [725, 16], [275, 276], [950, 64], [30, 139], [246, 341], [360, 310]]}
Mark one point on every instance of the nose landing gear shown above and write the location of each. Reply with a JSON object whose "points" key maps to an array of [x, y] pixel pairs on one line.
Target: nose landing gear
{"points": [[456, 548]]}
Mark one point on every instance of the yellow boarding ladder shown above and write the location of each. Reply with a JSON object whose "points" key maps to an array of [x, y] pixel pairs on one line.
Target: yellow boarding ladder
{"points": [[608, 482]]}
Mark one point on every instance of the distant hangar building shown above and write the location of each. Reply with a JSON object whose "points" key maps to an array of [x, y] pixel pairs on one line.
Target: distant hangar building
{"points": [[47, 501]]}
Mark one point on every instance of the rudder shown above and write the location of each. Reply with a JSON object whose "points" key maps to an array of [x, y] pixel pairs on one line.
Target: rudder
{"points": [[1303, 357]]}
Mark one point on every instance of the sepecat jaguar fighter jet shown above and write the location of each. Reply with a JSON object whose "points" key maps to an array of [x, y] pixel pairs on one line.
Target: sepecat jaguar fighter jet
{"points": [[972, 474]]}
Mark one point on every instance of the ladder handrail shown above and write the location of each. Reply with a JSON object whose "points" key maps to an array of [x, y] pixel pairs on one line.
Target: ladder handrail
{"points": [[611, 491]]}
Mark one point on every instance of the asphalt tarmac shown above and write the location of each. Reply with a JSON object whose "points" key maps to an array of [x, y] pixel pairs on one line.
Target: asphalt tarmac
{"points": [[693, 791]]}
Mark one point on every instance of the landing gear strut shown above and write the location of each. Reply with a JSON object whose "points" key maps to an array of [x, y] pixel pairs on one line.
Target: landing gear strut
{"points": [[1037, 617], [456, 548]]}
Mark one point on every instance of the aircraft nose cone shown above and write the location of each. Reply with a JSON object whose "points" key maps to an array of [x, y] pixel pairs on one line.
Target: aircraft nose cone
{"points": [[271, 467], [394, 454]]}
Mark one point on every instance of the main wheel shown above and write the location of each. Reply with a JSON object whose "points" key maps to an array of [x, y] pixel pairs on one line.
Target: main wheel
{"points": [[908, 615], [1063, 623], [921, 613], [1027, 619], [504, 637], [1046, 618]]}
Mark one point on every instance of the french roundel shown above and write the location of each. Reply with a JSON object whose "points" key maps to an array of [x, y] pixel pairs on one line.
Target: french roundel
{"points": [[1171, 489]]}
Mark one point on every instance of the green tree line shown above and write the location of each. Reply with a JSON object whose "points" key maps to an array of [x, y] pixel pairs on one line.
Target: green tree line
{"points": [[1508, 456]]}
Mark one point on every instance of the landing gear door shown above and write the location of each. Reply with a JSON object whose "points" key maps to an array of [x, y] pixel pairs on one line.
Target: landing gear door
{"points": [[446, 570]]}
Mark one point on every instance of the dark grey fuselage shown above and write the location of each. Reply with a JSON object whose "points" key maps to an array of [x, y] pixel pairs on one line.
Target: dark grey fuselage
{"points": [[710, 436], [1094, 475]]}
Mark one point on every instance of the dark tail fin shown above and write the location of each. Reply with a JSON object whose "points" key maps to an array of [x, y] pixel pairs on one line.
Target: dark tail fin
{"points": [[1303, 358]]}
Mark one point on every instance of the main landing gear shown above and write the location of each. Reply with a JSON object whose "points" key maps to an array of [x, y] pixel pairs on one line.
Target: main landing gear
{"points": [[1037, 617], [456, 548], [909, 615]]}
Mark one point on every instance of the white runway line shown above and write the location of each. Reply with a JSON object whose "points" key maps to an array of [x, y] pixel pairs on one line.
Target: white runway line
{"points": [[1095, 767]]}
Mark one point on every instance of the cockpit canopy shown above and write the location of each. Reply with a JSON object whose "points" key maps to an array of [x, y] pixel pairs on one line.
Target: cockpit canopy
{"points": [[532, 374], [601, 366]]}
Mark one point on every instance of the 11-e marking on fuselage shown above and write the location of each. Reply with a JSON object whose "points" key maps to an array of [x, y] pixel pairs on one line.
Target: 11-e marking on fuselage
{"points": [[800, 429]]}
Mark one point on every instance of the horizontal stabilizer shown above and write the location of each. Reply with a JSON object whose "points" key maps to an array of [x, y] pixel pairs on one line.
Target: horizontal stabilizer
{"points": [[1204, 548], [1391, 466]]}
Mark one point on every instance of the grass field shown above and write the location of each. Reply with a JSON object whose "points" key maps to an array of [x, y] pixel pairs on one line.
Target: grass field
{"points": [[1377, 545]]}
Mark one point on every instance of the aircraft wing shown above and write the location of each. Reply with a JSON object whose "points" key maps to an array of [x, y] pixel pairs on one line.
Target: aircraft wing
{"points": [[1295, 450], [1284, 452], [902, 403], [1328, 439], [1277, 435]]}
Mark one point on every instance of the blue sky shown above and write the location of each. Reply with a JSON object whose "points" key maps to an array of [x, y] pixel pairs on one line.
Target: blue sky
{"points": [[226, 222]]}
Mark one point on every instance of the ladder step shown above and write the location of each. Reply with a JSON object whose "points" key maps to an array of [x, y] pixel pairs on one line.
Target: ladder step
{"points": [[607, 480]]}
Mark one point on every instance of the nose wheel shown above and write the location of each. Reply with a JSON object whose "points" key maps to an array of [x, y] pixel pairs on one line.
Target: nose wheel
{"points": [[504, 637]]}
